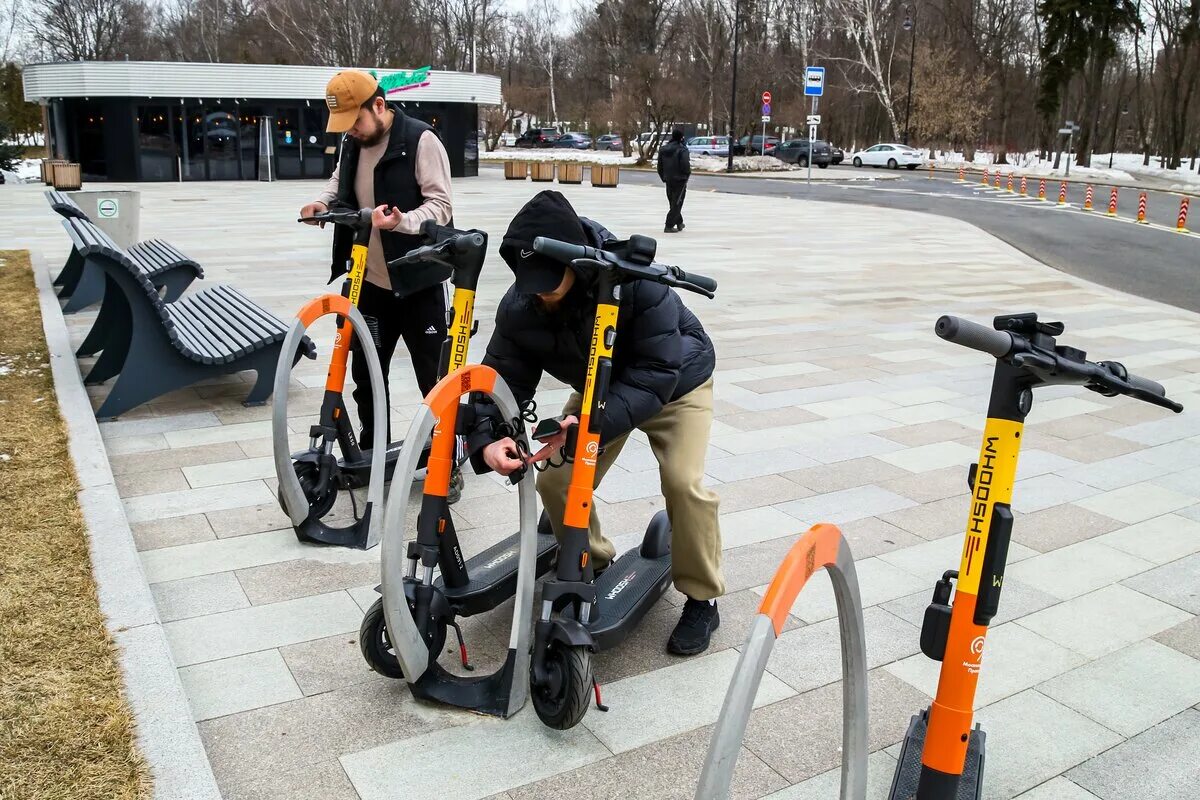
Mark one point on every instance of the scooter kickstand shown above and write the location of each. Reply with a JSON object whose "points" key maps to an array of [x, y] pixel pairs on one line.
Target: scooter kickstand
{"points": [[462, 646], [596, 688]]}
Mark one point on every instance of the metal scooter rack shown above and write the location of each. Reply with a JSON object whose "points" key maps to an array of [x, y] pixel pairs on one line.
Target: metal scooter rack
{"points": [[503, 692], [821, 546], [293, 497]]}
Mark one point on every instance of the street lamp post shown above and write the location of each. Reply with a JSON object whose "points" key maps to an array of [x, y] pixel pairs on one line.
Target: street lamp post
{"points": [[737, 19], [912, 47]]}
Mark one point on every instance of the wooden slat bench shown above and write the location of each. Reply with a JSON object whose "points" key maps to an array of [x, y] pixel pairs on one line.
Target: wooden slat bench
{"points": [[155, 347], [165, 266]]}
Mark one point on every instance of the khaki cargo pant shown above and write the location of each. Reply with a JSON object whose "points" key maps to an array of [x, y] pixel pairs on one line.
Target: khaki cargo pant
{"points": [[679, 440]]}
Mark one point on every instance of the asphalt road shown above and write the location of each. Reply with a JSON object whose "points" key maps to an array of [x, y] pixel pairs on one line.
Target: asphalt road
{"points": [[1150, 261]]}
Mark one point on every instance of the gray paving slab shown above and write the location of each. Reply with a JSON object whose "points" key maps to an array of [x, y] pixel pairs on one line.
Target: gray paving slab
{"points": [[241, 683], [1032, 738], [1104, 621], [323, 665], [881, 768], [1158, 540], [324, 781], [1059, 526], [1184, 637], [801, 737], [247, 630], [753, 493], [1132, 689], [666, 770], [1059, 788], [153, 534], [1159, 764], [1177, 583], [928, 486], [810, 657], [195, 597], [1016, 600], [488, 755], [1077, 569], [1137, 503], [288, 580], [686, 695], [243, 552], [289, 736], [846, 505]]}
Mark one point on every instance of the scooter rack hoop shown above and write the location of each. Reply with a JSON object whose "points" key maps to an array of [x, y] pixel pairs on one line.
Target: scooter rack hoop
{"points": [[504, 692], [295, 504], [821, 546]]}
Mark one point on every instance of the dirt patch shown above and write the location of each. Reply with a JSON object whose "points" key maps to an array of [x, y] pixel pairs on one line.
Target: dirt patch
{"points": [[66, 731]]}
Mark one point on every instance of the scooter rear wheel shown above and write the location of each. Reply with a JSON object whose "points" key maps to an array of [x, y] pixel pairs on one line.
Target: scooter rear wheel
{"points": [[563, 700], [377, 648], [318, 504]]}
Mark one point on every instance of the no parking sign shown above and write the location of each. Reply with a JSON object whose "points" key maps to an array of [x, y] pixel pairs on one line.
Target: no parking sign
{"points": [[108, 208]]}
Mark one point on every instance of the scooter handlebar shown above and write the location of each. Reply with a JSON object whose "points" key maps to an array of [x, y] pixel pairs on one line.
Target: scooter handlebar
{"points": [[700, 281], [975, 336], [562, 251]]}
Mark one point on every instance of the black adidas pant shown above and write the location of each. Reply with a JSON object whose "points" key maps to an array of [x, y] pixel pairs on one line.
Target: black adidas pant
{"points": [[419, 318], [676, 191]]}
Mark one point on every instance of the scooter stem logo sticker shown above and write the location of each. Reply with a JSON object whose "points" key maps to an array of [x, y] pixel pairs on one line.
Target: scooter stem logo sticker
{"points": [[976, 651]]}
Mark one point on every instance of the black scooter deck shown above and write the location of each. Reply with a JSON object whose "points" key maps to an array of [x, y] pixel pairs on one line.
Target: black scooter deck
{"points": [[908, 768], [494, 574], [625, 591]]}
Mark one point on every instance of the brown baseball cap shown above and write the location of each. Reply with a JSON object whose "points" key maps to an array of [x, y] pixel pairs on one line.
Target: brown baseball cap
{"points": [[344, 94]]}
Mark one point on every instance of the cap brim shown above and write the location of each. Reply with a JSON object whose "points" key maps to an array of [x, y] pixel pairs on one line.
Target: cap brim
{"points": [[537, 281], [341, 121]]}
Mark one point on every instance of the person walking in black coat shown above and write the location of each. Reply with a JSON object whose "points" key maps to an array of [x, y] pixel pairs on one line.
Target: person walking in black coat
{"points": [[661, 383], [675, 167]]}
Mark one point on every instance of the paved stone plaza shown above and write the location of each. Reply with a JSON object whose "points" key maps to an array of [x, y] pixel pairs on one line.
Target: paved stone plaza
{"points": [[835, 403]]}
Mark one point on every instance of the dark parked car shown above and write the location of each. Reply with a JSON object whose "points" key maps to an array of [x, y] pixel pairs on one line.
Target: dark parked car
{"points": [[838, 155], [753, 145], [538, 137], [574, 140], [796, 151], [609, 141]]}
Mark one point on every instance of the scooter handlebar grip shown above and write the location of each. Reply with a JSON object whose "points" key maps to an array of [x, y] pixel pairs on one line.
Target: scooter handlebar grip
{"points": [[703, 281], [559, 251], [975, 336], [1145, 384]]}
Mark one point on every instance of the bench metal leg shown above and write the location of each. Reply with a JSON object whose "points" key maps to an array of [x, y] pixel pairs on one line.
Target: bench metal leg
{"points": [[175, 282], [68, 276], [88, 291], [112, 325]]}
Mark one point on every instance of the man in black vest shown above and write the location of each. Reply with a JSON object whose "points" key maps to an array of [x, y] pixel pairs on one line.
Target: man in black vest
{"points": [[398, 166]]}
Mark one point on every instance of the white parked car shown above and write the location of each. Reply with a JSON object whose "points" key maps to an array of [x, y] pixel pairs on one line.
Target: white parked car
{"points": [[892, 156], [507, 139], [709, 145]]}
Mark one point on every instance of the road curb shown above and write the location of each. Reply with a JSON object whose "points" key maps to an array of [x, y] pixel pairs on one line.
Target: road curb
{"points": [[166, 733]]}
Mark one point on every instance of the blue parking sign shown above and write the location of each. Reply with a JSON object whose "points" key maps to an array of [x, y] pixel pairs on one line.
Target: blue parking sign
{"points": [[814, 81]]}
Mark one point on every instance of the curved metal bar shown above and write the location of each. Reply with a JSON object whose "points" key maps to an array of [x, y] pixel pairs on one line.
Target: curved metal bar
{"points": [[294, 501], [821, 546], [406, 641]]}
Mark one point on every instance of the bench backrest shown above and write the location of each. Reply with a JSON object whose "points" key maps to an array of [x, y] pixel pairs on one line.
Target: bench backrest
{"points": [[64, 204], [91, 242]]}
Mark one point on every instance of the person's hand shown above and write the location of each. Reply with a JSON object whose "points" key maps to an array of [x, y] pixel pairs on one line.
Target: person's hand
{"points": [[386, 218], [312, 209], [503, 456], [555, 442]]}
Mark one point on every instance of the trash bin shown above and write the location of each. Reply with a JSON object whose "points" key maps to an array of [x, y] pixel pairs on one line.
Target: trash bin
{"points": [[67, 176], [116, 212]]}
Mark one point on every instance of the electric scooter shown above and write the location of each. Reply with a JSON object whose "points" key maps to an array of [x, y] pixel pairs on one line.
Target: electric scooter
{"points": [[581, 613], [404, 631], [309, 480], [942, 755]]}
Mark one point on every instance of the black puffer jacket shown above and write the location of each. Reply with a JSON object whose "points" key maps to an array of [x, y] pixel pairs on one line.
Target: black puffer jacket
{"points": [[661, 352], [674, 162]]}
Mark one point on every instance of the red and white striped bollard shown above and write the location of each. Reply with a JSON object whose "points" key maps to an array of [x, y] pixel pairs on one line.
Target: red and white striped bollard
{"points": [[1087, 198], [1112, 203], [1062, 194], [1141, 217], [1181, 220]]}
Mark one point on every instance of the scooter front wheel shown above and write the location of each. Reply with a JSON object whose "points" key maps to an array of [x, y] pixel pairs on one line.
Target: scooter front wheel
{"points": [[562, 701], [319, 504], [377, 648]]}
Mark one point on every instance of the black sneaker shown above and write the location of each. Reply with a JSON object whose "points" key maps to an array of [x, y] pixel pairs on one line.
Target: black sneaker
{"points": [[700, 618], [456, 486], [680, 227]]}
